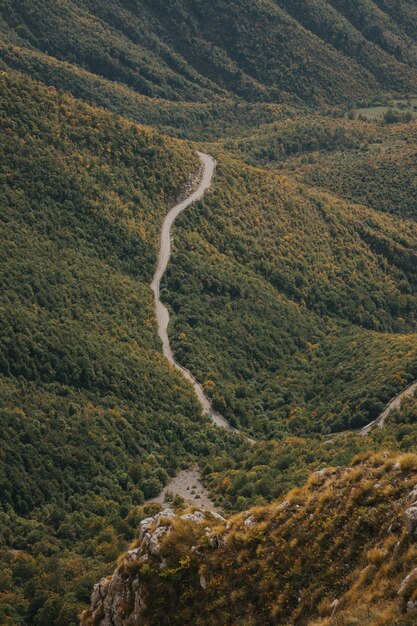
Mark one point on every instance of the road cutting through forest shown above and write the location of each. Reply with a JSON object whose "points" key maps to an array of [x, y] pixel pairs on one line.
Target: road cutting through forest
{"points": [[395, 403], [208, 165]]}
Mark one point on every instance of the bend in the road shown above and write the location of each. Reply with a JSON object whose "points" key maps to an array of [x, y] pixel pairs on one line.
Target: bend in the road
{"points": [[162, 314], [395, 403]]}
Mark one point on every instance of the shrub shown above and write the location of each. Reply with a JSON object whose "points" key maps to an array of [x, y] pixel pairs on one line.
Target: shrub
{"points": [[408, 462], [375, 556]]}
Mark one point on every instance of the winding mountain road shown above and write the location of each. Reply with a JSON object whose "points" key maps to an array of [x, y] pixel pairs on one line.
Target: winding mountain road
{"points": [[162, 314]]}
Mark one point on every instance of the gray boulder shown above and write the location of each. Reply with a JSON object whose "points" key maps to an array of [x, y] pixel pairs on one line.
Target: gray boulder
{"points": [[411, 520]]}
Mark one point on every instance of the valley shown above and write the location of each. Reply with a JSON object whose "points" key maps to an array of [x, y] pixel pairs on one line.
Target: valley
{"points": [[208, 297]]}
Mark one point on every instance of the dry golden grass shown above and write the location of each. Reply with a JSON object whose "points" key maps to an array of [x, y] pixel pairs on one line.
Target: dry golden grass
{"points": [[355, 475], [408, 462], [375, 556], [297, 496], [385, 617], [290, 565], [325, 607]]}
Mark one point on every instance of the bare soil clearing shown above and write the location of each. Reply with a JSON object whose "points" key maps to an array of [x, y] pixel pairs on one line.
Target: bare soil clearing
{"points": [[187, 484]]}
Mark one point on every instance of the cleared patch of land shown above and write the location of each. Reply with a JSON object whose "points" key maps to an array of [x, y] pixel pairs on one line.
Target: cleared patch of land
{"points": [[398, 106], [186, 484]]}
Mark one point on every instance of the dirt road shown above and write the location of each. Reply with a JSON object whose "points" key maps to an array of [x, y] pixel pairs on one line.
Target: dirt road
{"points": [[394, 404], [162, 315]]}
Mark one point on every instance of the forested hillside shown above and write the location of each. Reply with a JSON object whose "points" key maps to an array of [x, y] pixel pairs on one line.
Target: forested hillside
{"points": [[362, 161], [92, 418], [295, 307], [305, 51]]}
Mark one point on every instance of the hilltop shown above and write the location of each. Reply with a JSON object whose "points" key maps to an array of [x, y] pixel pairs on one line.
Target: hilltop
{"points": [[339, 551]]}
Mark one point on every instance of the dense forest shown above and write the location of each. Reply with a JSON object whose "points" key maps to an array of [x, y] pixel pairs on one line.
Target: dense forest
{"points": [[292, 286], [293, 278], [310, 52], [92, 419]]}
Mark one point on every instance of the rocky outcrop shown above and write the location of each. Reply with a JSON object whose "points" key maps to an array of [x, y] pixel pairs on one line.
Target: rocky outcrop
{"points": [[276, 564], [410, 513], [249, 521], [411, 520], [407, 587], [119, 600], [116, 601]]}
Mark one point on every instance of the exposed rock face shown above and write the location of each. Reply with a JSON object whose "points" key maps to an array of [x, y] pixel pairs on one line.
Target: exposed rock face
{"points": [[411, 520], [284, 505], [249, 521], [406, 581], [411, 513], [119, 600], [197, 568], [406, 588], [413, 496], [194, 517], [110, 600]]}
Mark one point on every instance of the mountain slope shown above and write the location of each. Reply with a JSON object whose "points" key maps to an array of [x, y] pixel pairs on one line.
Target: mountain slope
{"points": [[362, 30], [292, 288], [337, 552], [295, 307], [196, 50], [93, 418], [194, 120]]}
